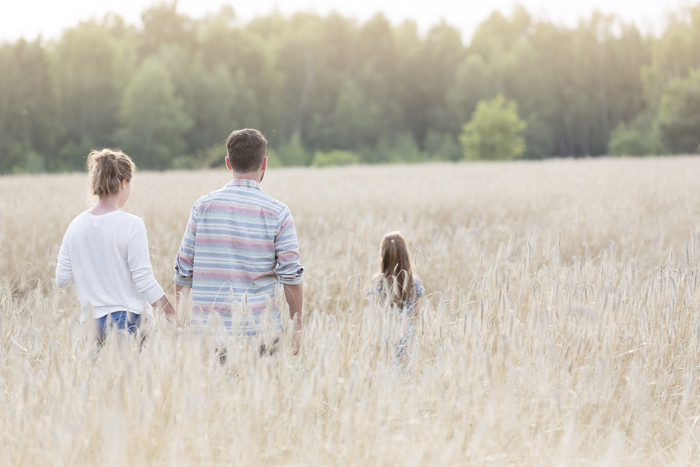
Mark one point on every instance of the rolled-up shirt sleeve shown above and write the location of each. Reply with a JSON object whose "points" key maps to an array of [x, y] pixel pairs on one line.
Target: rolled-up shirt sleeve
{"points": [[289, 269], [184, 261]]}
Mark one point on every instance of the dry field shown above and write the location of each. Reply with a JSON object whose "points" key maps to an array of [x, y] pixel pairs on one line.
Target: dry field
{"points": [[562, 326]]}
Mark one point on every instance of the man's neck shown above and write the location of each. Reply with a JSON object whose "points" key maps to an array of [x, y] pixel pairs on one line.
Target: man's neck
{"points": [[255, 176]]}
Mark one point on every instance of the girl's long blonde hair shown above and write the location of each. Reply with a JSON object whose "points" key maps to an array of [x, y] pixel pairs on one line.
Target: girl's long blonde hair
{"points": [[396, 269]]}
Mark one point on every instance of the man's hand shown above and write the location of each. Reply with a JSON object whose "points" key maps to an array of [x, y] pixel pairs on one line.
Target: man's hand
{"points": [[295, 299], [296, 337], [182, 294]]}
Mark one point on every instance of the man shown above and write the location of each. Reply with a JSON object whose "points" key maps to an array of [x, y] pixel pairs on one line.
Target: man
{"points": [[239, 246]]}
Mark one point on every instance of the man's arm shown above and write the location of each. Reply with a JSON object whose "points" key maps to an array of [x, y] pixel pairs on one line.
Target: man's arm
{"points": [[184, 266], [295, 299], [290, 271], [182, 293]]}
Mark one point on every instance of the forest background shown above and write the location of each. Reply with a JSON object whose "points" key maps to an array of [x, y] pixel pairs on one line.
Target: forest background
{"points": [[331, 90]]}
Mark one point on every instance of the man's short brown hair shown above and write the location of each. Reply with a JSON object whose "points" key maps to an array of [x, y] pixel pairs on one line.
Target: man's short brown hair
{"points": [[246, 149]]}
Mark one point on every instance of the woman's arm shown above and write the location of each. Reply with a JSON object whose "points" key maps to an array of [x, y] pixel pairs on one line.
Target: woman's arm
{"points": [[64, 270], [139, 262], [164, 304]]}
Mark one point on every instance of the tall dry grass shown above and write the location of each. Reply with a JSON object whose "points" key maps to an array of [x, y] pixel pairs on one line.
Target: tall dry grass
{"points": [[561, 327]]}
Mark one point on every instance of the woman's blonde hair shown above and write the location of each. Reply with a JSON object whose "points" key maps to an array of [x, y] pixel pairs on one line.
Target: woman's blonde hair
{"points": [[107, 168]]}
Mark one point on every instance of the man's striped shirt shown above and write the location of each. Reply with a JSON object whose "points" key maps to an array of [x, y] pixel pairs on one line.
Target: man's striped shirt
{"points": [[239, 246]]}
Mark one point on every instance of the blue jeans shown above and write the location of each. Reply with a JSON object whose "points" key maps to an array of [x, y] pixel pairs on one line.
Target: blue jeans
{"points": [[120, 320]]}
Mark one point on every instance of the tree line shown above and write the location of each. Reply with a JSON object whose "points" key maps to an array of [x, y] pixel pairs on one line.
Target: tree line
{"points": [[334, 90]]}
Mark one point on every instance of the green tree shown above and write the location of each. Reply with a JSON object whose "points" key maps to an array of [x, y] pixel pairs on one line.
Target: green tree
{"points": [[153, 118], [89, 70], [394, 148], [494, 132], [164, 26], [671, 57], [291, 153], [27, 108], [637, 138], [322, 83], [208, 95], [472, 84], [302, 60], [539, 139], [442, 146], [430, 73], [678, 119], [378, 80], [352, 115], [335, 157], [522, 59]]}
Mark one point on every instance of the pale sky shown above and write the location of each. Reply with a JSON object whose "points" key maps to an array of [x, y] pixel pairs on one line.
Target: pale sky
{"points": [[29, 18]]}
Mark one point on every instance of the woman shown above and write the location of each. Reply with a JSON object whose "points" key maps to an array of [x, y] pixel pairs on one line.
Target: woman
{"points": [[105, 252], [397, 287]]}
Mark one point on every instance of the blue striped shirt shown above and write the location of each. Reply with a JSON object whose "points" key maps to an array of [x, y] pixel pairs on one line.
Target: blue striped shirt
{"points": [[240, 244]]}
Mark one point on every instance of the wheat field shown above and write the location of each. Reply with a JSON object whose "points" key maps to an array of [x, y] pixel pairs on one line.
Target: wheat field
{"points": [[561, 325]]}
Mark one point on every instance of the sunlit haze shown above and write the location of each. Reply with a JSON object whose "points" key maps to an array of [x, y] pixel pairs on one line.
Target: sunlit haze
{"points": [[48, 18]]}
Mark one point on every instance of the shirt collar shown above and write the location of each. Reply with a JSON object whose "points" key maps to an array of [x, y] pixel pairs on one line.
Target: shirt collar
{"points": [[244, 182]]}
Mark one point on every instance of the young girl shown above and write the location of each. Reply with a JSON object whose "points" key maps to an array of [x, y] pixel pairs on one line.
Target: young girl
{"points": [[397, 287], [105, 252]]}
